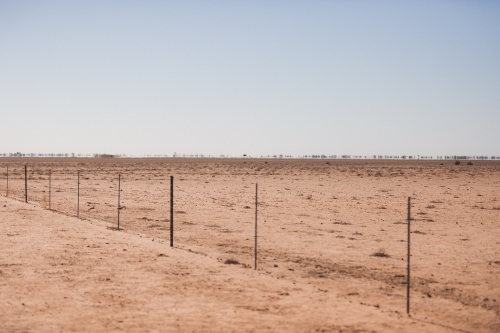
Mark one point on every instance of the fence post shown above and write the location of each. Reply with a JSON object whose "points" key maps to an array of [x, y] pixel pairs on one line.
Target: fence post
{"points": [[26, 184], [78, 195], [50, 187], [119, 183], [256, 202], [7, 191], [408, 268], [171, 211]]}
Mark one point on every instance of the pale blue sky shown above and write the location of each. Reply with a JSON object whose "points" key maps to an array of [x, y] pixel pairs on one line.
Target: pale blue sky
{"points": [[254, 77]]}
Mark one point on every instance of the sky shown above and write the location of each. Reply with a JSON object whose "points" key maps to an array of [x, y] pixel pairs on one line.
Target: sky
{"points": [[250, 77]]}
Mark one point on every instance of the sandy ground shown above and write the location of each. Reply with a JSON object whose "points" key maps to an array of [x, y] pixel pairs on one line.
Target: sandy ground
{"points": [[320, 222]]}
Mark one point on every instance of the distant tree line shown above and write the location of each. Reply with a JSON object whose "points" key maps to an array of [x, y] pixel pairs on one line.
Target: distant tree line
{"points": [[319, 156]]}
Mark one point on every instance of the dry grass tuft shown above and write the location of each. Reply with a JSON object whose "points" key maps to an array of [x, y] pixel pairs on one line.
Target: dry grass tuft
{"points": [[342, 223], [231, 262], [381, 253]]}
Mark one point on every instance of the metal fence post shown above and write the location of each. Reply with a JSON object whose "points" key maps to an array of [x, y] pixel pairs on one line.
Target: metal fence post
{"points": [[256, 203], [78, 203], [408, 268], [119, 186], [50, 187], [26, 184], [171, 211]]}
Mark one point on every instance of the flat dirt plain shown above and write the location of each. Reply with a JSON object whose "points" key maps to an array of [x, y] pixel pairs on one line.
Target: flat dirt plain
{"points": [[320, 222]]}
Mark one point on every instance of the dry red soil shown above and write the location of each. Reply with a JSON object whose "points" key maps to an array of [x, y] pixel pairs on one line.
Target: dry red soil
{"points": [[320, 222]]}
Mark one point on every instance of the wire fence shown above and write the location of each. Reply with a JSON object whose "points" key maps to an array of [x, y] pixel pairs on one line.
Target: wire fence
{"points": [[307, 228]]}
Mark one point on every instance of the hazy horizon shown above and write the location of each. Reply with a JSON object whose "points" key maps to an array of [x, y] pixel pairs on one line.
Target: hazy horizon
{"points": [[274, 156]]}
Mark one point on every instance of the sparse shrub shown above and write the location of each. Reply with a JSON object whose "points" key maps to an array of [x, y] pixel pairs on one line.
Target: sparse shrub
{"points": [[469, 163], [381, 253], [231, 262], [457, 162]]}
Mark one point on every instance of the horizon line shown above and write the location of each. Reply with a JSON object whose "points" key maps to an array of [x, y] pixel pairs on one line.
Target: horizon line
{"points": [[274, 156]]}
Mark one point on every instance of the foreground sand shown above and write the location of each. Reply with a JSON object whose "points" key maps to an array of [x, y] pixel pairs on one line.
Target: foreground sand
{"points": [[319, 226]]}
